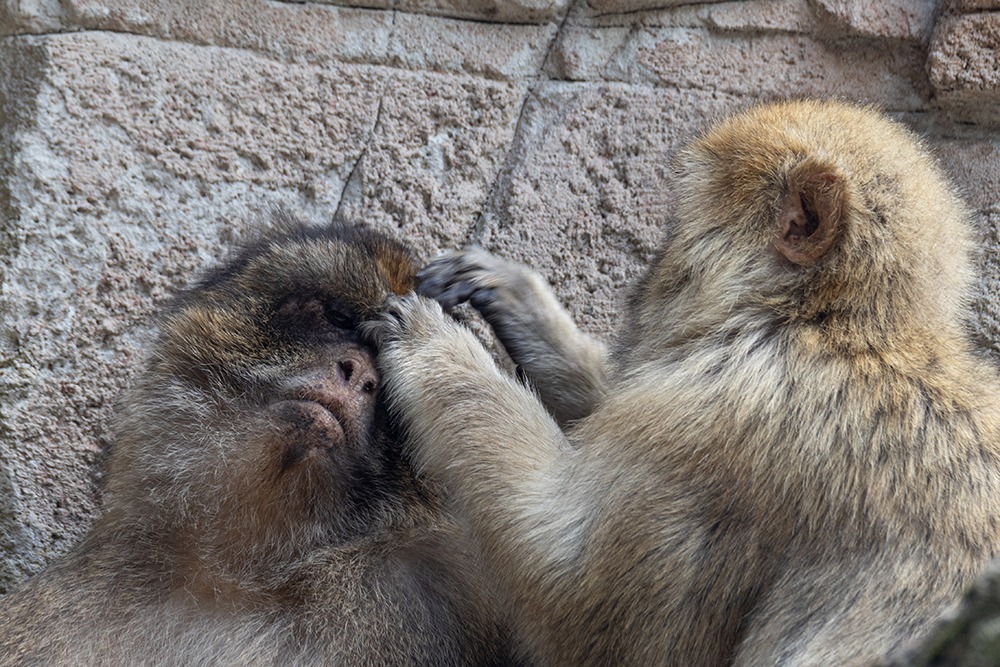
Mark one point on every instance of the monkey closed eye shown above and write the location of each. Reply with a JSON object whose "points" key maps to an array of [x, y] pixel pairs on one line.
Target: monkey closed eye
{"points": [[335, 315]]}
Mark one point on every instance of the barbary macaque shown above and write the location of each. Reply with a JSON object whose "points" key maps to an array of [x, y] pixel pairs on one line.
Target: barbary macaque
{"points": [[791, 454], [259, 510]]}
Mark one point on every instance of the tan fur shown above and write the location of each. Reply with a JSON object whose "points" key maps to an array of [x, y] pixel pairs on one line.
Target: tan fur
{"points": [[797, 457], [244, 523]]}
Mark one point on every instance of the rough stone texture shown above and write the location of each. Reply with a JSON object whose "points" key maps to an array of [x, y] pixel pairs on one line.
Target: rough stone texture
{"points": [[489, 50], [764, 16], [627, 6], [139, 139], [894, 19], [310, 32], [30, 16], [301, 24], [964, 66], [435, 149]]}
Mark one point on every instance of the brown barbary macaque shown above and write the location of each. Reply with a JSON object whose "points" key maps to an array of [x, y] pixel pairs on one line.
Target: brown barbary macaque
{"points": [[259, 511], [791, 455]]}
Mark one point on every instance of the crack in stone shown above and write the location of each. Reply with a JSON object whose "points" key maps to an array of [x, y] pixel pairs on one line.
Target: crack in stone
{"points": [[337, 217], [475, 235], [542, 77]]}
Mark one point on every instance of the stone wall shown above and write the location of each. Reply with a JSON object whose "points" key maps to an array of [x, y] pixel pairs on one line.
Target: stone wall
{"points": [[139, 139]]}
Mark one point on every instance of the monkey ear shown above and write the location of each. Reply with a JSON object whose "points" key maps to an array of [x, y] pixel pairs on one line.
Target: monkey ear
{"points": [[811, 214]]}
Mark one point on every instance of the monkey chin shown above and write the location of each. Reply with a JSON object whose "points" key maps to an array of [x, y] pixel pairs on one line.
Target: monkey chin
{"points": [[309, 430]]}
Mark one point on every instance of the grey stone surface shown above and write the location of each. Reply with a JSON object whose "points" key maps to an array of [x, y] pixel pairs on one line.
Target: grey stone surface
{"points": [[771, 65], [299, 25], [435, 151], [893, 19], [138, 139], [765, 16], [628, 6], [970, 5], [30, 16], [964, 66], [288, 31], [490, 50]]}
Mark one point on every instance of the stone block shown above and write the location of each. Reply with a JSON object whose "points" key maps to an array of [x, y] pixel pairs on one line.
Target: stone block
{"points": [[892, 19], [626, 6], [765, 66], [968, 6], [288, 31], [435, 152], [21, 17], [763, 16], [964, 67], [304, 28], [499, 11], [489, 50]]}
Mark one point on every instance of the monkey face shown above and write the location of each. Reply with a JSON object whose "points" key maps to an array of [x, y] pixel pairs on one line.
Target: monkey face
{"points": [[263, 398]]}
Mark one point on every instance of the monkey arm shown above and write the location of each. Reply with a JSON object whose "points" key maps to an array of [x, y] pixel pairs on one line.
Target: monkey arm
{"points": [[487, 438], [566, 366]]}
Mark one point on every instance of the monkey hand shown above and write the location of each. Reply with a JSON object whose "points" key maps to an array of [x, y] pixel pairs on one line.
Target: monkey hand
{"points": [[472, 275], [566, 366], [400, 318], [430, 367], [413, 330]]}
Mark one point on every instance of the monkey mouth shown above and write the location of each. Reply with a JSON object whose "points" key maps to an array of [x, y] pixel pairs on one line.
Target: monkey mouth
{"points": [[318, 424]]}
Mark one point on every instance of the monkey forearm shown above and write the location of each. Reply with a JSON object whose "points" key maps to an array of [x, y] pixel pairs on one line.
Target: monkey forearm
{"points": [[481, 433], [567, 367]]}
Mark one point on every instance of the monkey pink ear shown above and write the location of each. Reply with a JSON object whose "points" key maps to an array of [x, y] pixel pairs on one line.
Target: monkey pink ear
{"points": [[811, 215]]}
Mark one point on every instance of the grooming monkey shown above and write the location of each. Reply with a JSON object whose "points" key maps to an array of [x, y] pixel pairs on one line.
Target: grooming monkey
{"points": [[258, 509], [791, 455]]}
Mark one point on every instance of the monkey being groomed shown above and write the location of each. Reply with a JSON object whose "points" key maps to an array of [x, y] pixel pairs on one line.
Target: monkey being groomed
{"points": [[791, 455], [258, 509]]}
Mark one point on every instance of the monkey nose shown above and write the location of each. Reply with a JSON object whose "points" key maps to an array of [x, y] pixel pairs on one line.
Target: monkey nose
{"points": [[358, 373]]}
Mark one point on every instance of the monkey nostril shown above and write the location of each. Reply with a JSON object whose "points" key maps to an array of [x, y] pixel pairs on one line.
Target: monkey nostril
{"points": [[346, 369]]}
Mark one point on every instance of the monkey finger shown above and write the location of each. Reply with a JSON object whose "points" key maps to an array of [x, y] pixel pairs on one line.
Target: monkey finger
{"points": [[456, 277], [375, 333], [454, 294], [387, 326], [483, 299], [440, 274], [457, 265]]}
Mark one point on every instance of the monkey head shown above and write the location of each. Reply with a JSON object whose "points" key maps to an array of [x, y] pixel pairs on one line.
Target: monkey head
{"points": [[256, 432], [784, 217]]}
